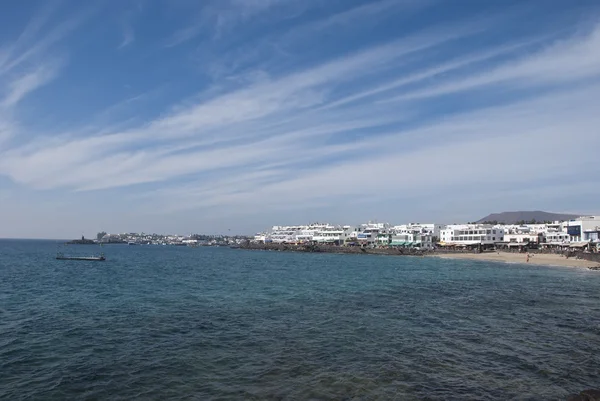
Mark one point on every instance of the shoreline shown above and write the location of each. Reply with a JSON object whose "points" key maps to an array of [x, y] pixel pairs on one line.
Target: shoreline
{"points": [[538, 259]]}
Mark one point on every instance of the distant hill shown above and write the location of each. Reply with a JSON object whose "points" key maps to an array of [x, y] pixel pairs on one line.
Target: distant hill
{"points": [[538, 216]]}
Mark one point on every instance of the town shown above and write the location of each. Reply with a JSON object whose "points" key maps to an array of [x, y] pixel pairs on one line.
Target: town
{"points": [[162, 239], [582, 233]]}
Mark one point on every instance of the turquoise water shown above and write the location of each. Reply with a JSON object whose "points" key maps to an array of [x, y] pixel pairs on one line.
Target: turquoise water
{"points": [[158, 323]]}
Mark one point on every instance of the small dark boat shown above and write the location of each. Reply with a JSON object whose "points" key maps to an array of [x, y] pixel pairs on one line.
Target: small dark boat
{"points": [[60, 256]]}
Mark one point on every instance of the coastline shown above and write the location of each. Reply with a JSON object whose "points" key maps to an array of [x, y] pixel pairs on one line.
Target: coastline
{"points": [[540, 259]]}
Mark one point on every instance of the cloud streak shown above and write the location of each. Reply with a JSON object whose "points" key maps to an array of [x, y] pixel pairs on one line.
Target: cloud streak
{"points": [[214, 18], [32, 44], [27, 83], [128, 36]]}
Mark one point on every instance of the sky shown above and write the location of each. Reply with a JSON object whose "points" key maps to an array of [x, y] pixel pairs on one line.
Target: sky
{"points": [[230, 116]]}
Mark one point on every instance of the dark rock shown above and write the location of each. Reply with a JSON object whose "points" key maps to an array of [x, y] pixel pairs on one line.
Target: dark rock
{"points": [[586, 395], [592, 395]]}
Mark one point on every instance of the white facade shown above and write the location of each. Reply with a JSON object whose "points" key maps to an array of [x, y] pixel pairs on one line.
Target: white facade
{"points": [[260, 237], [430, 228], [552, 234], [577, 228], [284, 234], [308, 233], [413, 240], [366, 237], [319, 232], [556, 237], [521, 238], [367, 234], [333, 234], [470, 234], [416, 235]]}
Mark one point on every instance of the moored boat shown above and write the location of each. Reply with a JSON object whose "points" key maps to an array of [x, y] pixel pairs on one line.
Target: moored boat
{"points": [[60, 256]]}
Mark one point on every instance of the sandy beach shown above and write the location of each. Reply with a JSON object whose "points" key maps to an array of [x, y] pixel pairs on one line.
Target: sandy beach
{"points": [[534, 259]]}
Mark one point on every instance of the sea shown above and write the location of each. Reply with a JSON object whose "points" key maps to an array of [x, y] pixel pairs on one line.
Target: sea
{"points": [[179, 323]]}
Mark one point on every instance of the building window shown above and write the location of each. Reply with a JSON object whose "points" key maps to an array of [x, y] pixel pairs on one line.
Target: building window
{"points": [[493, 238], [494, 231]]}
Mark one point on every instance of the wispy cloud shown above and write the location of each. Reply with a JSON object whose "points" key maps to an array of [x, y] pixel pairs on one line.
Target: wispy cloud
{"points": [[214, 18], [426, 112], [127, 21], [266, 103], [27, 63], [23, 85], [268, 47], [32, 44], [128, 36], [573, 59], [527, 140]]}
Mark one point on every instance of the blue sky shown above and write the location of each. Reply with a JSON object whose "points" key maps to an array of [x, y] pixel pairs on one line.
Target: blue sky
{"points": [[187, 116]]}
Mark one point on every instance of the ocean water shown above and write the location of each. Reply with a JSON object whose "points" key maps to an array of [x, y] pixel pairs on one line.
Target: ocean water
{"points": [[174, 323]]}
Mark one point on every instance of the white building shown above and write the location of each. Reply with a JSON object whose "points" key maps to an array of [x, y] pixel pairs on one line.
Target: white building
{"points": [[412, 240], [284, 234], [367, 234], [582, 228], [556, 237], [333, 234], [415, 235], [522, 238], [430, 228], [472, 234], [524, 234], [260, 237], [319, 232], [307, 233]]}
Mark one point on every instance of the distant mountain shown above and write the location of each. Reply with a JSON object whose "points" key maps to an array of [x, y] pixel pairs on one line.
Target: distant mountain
{"points": [[538, 216]]}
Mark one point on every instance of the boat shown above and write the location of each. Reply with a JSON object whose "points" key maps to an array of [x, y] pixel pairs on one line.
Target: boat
{"points": [[60, 256]]}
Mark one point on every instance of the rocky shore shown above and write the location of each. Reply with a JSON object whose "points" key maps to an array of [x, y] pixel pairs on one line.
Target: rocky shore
{"points": [[333, 249]]}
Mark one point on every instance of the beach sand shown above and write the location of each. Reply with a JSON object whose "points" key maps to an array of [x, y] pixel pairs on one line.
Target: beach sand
{"points": [[534, 259]]}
